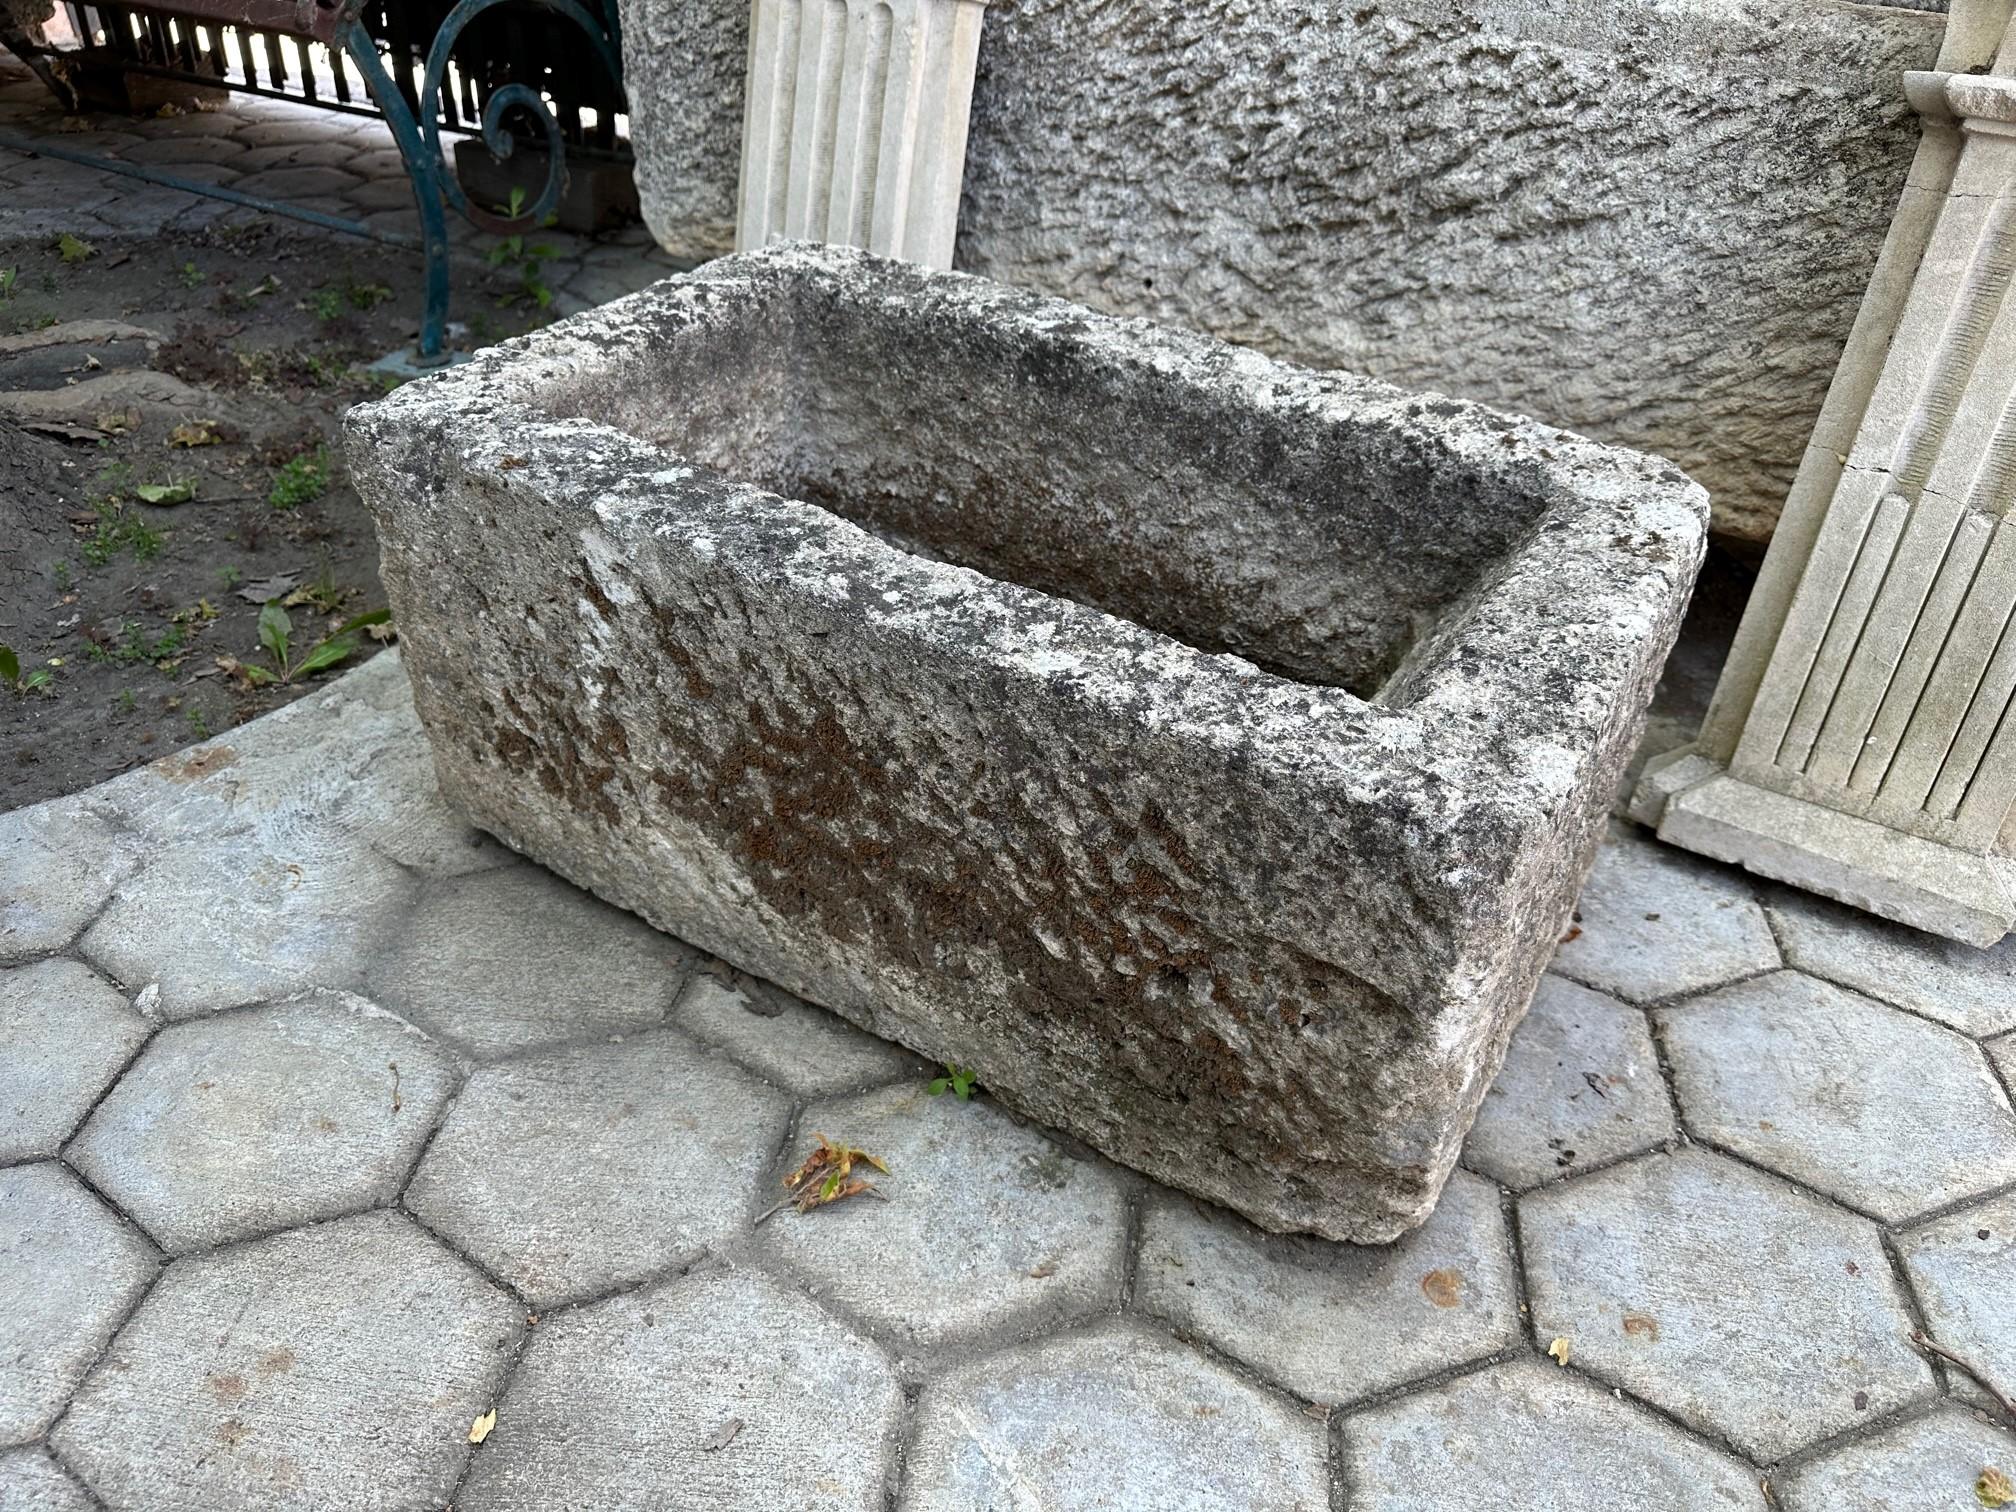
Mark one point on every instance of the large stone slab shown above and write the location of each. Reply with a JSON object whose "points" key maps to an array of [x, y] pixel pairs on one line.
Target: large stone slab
{"points": [[1213, 775]]}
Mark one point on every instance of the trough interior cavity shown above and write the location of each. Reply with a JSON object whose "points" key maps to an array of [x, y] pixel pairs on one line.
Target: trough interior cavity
{"points": [[1319, 551]]}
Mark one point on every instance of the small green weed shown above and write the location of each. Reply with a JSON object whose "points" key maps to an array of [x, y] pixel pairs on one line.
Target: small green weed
{"points": [[198, 725], [193, 277], [232, 576], [135, 645], [958, 1080], [8, 278], [37, 681], [523, 260], [118, 531], [276, 635], [127, 701], [74, 249], [301, 480]]}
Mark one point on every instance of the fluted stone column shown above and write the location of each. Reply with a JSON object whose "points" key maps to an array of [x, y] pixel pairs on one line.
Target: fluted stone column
{"points": [[1862, 740]]}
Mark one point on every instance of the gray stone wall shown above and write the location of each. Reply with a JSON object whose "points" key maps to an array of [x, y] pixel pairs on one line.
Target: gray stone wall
{"points": [[1648, 220]]}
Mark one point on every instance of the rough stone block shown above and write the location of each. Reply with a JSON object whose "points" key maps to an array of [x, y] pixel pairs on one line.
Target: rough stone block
{"points": [[1204, 749]]}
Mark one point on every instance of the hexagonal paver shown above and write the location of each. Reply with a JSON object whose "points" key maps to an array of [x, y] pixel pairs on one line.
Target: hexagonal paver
{"points": [[69, 1270], [263, 1119], [495, 962], [2003, 1053], [30, 1481], [793, 1043], [1889, 1113], [1929, 1464], [64, 1033], [1972, 990], [1656, 921], [333, 1367], [585, 1169], [1580, 1087], [1335, 1322], [1531, 1435], [1731, 1299], [720, 1390], [1117, 1416], [1963, 1268], [989, 1226], [59, 862]]}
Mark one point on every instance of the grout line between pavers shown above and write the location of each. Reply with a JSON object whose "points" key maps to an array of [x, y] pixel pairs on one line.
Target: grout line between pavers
{"points": [[1900, 1277], [896, 1472], [90, 1492]]}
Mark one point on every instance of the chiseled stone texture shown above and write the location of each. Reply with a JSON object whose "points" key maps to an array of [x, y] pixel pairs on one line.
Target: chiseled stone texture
{"points": [[32, 1482], [1745, 1308], [1972, 990], [59, 862], [1336, 1322], [2003, 1053], [69, 1270], [1532, 1435], [1609, 200], [1119, 1415], [989, 1227], [334, 1367], [1013, 828], [1928, 1464], [242, 1123], [64, 1033], [1656, 922], [1963, 1268], [623, 1407], [495, 963], [1580, 1087], [1817, 1082], [577, 1171], [811, 1051]]}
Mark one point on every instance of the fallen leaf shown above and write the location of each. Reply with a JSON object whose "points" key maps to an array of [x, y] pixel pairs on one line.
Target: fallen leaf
{"points": [[1573, 934], [195, 433], [179, 492], [826, 1176], [723, 1436], [387, 632], [1993, 1488], [1443, 1287], [266, 589], [480, 1429], [62, 430], [1558, 1351]]}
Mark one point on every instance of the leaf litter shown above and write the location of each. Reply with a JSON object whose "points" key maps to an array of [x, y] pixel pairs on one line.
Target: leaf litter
{"points": [[827, 1176]]}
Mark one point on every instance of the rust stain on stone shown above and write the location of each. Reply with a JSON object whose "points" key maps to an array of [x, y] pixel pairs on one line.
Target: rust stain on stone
{"points": [[192, 766], [1443, 1287]]}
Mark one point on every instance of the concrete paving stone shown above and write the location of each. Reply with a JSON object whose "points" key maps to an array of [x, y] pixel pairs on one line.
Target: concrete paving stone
{"points": [[335, 1367], [59, 862], [288, 129], [171, 153], [577, 1171], [1336, 1322], [298, 183], [600, 285], [208, 173], [1740, 1304], [69, 1270], [1963, 1268], [1580, 1086], [989, 1227], [1971, 990], [30, 1481], [247, 1122], [2003, 1053], [1656, 922], [64, 1033], [807, 1049], [776, 1406], [187, 124], [1531, 1435], [380, 194], [1890, 1114], [1117, 1416], [1928, 1464], [337, 152], [494, 962]]}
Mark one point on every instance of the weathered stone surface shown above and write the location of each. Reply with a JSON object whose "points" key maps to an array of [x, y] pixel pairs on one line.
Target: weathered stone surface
{"points": [[69, 1270], [1656, 922], [32, 1482], [1580, 1086], [1816, 1082], [59, 862], [581, 1170], [493, 962], [1963, 1268], [1607, 201], [1973, 990], [1336, 1322], [1744, 1307], [2003, 1053], [64, 1033], [989, 1227], [775, 1406], [1929, 1464], [1477, 1435], [806, 1049], [242, 1123], [335, 1367], [1013, 829], [1117, 1415]]}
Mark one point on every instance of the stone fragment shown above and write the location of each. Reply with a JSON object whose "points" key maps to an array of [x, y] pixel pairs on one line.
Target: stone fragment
{"points": [[242, 1123], [1117, 1411], [1036, 796], [576, 1171], [806, 1049], [1336, 1322], [776, 1406], [1580, 1086], [334, 1367], [69, 1270], [1740, 1304], [64, 1033], [59, 862], [989, 1228], [1888, 1113], [1971, 990], [1529, 1434], [30, 1481], [1963, 1268], [493, 962]]}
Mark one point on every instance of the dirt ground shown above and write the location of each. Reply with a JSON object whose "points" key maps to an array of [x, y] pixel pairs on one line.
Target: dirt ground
{"points": [[168, 464]]}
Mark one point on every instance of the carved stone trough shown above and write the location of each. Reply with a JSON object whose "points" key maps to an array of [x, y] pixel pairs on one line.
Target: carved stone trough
{"points": [[1206, 751]]}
